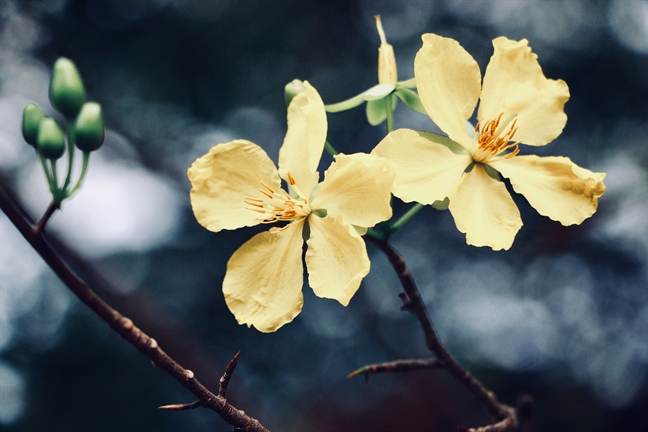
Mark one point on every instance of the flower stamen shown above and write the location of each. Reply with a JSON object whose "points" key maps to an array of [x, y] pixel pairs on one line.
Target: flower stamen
{"points": [[279, 207], [494, 136]]}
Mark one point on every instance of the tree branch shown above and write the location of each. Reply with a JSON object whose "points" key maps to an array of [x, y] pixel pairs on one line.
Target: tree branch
{"points": [[407, 365], [120, 324], [413, 302]]}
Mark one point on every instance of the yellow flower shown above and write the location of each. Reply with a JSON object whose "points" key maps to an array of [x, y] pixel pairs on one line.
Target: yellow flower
{"points": [[518, 105], [236, 185]]}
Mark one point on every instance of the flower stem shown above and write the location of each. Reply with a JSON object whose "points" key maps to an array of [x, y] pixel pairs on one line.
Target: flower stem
{"points": [[84, 169], [406, 217], [70, 149], [389, 107], [329, 148]]}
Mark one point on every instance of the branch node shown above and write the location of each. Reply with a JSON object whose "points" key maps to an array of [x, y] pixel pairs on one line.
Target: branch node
{"points": [[153, 343], [189, 374]]}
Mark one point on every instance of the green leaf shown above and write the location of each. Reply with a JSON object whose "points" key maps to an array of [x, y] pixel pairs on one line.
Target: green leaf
{"points": [[411, 99]]}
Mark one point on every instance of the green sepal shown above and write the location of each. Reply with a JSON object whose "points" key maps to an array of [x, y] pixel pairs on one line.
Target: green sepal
{"points": [[51, 142], [469, 168], [306, 230], [89, 128], [410, 83], [454, 147], [320, 213], [377, 110], [292, 89], [410, 99], [492, 172], [32, 117], [67, 93], [441, 205]]}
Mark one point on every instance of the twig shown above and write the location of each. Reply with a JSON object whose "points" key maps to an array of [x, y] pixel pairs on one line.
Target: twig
{"points": [[120, 324], [229, 370], [413, 302], [40, 226], [408, 365]]}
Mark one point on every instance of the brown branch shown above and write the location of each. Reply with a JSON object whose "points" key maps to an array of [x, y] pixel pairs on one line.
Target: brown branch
{"points": [[408, 365], [120, 324], [40, 226], [413, 302]]}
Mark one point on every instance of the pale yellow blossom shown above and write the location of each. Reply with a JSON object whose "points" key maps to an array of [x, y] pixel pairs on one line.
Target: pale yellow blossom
{"points": [[236, 185], [518, 105]]}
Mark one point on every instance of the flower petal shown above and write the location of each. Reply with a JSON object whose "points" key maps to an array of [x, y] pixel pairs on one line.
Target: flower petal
{"points": [[426, 171], [483, 209], [514, 82], [449, 83], [304, 142], [555, 186], [263, 283], [223, 178], [336, 259], [357, 188]]}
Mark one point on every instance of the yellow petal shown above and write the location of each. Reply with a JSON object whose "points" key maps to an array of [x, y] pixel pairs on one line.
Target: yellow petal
{"points": [[357, 188], [483, 209], [304, 143], [448, 82], [223, 178], [554, 186], [263, 283], [514, 83], [336, 259], [426, 171]]}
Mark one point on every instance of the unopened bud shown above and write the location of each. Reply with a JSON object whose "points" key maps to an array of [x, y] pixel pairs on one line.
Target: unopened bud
{"points": [[89, 127], [32, 117], [51, 142], [292, 89], [387, 72], [67, 93]]}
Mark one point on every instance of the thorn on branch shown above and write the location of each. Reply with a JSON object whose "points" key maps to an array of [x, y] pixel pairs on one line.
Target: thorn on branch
{"points": [[181, 407], [406, 303], [229, 370]]}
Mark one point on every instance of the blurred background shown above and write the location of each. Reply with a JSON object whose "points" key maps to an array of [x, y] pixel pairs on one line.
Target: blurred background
{"points": [[563, 315]]}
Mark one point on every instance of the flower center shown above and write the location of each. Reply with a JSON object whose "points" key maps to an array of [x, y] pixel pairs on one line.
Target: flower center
{"points": [[278, 207], [493, 138]]}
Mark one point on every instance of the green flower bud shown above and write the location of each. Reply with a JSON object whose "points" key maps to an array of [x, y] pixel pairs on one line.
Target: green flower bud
{"points": [[67, 93], [32, 117], [89, 127], [51, 142], [292, 89]]}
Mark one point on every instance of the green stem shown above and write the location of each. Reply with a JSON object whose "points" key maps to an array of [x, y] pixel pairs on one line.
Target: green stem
{"points": [[51, 181], [329, 148], [70, 147], [376, 234], [84, 169], [389, 107], [406, 217]]}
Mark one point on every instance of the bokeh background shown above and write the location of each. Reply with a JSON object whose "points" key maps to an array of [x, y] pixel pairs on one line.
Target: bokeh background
{"points": [[563, 315]]}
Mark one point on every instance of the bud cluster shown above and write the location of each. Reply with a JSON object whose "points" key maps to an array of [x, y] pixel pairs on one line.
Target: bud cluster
{"points": [[84, 127]]}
